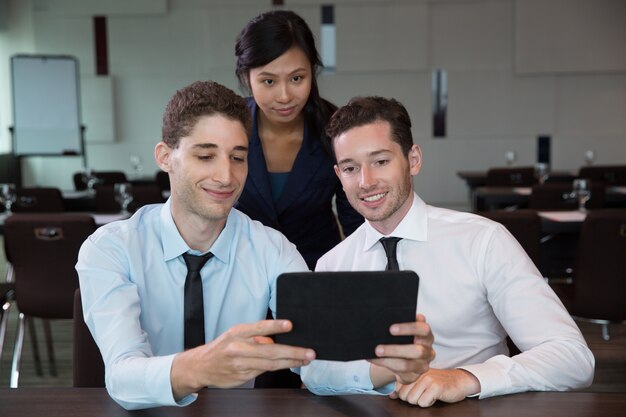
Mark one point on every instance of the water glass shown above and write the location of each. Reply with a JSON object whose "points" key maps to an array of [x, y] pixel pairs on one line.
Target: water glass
{"points": [[581, 188], [137, 164], [7, 196], [542, 172], [91, 180], [123, 195]]}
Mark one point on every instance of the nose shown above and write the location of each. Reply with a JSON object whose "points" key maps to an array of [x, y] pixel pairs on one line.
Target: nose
{"points": [[367, 179], [284, 93], [222, 172]]}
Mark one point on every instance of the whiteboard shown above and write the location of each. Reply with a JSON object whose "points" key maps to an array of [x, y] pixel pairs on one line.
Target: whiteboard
{"points": [[46, 105]]}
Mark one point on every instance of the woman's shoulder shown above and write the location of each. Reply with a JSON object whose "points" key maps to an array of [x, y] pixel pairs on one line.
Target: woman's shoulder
{"points": [[328, 103]]}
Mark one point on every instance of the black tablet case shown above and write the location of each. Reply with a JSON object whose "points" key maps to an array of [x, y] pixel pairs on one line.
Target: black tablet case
{"points": [[343, 316]]}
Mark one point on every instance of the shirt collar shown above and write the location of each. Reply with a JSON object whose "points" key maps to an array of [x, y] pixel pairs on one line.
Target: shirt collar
{"points": [[414, 226], [174, 245]]}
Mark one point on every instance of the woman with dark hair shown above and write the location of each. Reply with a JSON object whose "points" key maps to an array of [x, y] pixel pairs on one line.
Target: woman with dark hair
{"points": [[291, 181]]}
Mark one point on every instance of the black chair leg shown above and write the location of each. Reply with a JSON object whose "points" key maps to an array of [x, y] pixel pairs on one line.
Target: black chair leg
{"points": [[35, 345], [50, 347]]}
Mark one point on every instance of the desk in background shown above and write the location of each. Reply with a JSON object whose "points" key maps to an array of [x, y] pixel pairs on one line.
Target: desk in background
{"points": [[100, 218], [77, 201], [475, 179], [95, 402], [490, 198]]}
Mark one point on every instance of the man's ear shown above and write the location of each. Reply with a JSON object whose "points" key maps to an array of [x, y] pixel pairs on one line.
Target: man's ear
{"points": [[415, 160], [336, 167], [162, 153]]}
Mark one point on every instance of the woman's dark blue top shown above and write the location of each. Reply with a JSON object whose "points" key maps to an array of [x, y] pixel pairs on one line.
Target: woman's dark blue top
{"points": [[303, 212]]}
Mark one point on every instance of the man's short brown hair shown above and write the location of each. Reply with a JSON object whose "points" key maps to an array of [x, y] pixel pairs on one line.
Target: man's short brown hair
{"points": [[365, 110], [202, 98]]}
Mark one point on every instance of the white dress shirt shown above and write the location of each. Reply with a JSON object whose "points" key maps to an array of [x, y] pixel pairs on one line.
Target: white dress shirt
{"points": [[476, 286], [132, 277]]}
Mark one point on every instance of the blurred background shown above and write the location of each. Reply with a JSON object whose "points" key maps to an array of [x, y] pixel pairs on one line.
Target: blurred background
{"points": [[495, 74]]}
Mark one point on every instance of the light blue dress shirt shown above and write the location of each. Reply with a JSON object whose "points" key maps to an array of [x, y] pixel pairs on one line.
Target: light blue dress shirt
{"points": [[132, 277]]}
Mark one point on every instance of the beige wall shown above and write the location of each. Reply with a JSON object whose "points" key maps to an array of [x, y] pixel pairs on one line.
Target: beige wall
{"points": [[516, 69]]}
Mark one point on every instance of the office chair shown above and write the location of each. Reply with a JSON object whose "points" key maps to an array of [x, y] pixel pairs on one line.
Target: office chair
{"points": [[162, 179], [28, 200], [511, 177], [608, 174], [600, 274], [7, 296], [556, 197], [104, 178], [142, 195], [44, 249], [38, 200], [524, 225], [88, 366], [559, 249]]}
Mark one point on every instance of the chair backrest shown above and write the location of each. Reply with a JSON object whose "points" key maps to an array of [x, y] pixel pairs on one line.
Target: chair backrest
{"points": [[142, 195], [552, 197], [511, 177], [609, 174], [524, 225], [600, 273], [105, 177], [88, 366], [43, 249], [163, 180], [38, 200]]}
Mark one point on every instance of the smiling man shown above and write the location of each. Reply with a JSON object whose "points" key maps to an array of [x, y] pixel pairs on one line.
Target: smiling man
{"points": [[160, 342], [476, 282]]}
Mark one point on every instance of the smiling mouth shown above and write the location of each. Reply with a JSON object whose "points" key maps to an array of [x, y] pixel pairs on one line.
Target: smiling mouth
{"points": [[220, 194], [373, 198]]}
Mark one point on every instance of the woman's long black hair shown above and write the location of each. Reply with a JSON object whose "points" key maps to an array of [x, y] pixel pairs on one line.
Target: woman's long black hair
{"points": [[268, 36]]}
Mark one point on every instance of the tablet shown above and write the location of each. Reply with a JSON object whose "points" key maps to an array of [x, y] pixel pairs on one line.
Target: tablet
{"points": [[343, 316]]}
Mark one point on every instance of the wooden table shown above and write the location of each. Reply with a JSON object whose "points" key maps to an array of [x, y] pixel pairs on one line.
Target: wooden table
{"points": [[95, 402]]}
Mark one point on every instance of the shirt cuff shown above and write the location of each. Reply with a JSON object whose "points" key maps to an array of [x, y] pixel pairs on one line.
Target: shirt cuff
{"points": [[492, 376], [160, 377], [336, 378]]}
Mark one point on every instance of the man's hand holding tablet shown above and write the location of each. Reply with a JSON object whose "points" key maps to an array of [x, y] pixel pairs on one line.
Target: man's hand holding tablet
{"points": [[347, 316]]}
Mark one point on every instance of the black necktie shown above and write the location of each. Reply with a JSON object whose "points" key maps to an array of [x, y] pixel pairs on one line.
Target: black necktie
{"points": [[390, 243], [194, 301]]}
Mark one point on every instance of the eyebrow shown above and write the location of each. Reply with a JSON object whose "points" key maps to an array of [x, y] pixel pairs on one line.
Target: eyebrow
{"points": [[371, 154], [271, 74], [215, 146]]}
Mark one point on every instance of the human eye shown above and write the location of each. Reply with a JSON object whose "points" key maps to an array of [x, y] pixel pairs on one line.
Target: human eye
{"points": [[239, 158], [297, 78], [205, 157], [381, 162], [348, 169], [268, 81]]}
